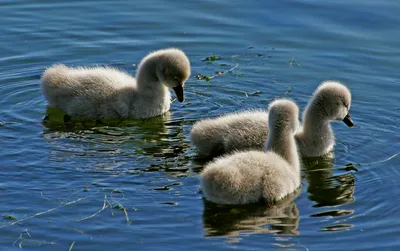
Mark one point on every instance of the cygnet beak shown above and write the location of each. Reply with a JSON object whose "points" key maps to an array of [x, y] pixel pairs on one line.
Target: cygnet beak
{"points": [[347, 120], [179, 92]]}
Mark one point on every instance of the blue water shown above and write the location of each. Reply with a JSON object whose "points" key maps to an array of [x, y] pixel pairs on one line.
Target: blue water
{"points": [[133, 185]]}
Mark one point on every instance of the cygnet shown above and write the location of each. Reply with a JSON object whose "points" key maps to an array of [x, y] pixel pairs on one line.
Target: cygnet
{"points": [[253, 176], [105, 92]]}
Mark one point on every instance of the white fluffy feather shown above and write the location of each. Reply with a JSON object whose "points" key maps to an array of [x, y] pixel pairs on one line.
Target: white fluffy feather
{"points": [[105, 92], [250, 176], [248, 130]]}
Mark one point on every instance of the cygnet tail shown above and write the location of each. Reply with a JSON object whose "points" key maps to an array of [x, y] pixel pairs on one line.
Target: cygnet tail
{"points": [[55, 81]]}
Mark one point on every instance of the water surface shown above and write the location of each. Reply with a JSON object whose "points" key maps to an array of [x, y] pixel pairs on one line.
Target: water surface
{"points": [[131, 185]]}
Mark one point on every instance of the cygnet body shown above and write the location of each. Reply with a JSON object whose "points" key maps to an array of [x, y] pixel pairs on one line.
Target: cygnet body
{"points": [[247, 130], [253, 176], [105, 92]]}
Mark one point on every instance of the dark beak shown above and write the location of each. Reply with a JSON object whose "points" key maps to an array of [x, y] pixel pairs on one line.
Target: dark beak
{"points": [[347, 120], [179, 93]]}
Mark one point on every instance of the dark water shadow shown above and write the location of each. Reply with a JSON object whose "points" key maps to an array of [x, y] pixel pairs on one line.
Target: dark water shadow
{"points": [[325, 188], [232, 220], [199, 162], [159, 138], [57, 120]]}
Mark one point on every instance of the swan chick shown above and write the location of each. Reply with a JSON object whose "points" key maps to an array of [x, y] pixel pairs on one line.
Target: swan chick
{"points": [[247, 130], [105, 92], [253, 176], [331, 101]]}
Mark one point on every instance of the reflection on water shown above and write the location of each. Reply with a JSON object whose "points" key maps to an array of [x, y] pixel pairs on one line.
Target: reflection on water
{"points": [[301, 44], [226, 220], [325, 188], [56, 119], [159, 138], [328, 190]]}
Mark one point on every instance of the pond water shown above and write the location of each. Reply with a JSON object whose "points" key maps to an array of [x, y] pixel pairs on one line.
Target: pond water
{"points": [[133, 185]]}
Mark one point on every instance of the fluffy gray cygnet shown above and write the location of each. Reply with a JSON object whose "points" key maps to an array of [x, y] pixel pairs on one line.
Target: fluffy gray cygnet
{"points": [[253, 176], [105, 92], [247, 130]]}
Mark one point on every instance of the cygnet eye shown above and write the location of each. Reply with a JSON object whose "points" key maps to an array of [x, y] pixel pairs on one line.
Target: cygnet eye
{"points": [[177, 80], [346, 105]]}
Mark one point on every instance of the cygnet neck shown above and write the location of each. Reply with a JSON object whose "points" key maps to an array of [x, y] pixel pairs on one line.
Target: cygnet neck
{"points": [[282, 142], [315, 137], [148, 83], [316, 124]]}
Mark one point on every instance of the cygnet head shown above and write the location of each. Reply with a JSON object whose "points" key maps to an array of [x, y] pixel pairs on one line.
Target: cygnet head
{"points": [[334, 100], [283, 115], [172, 69]]}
